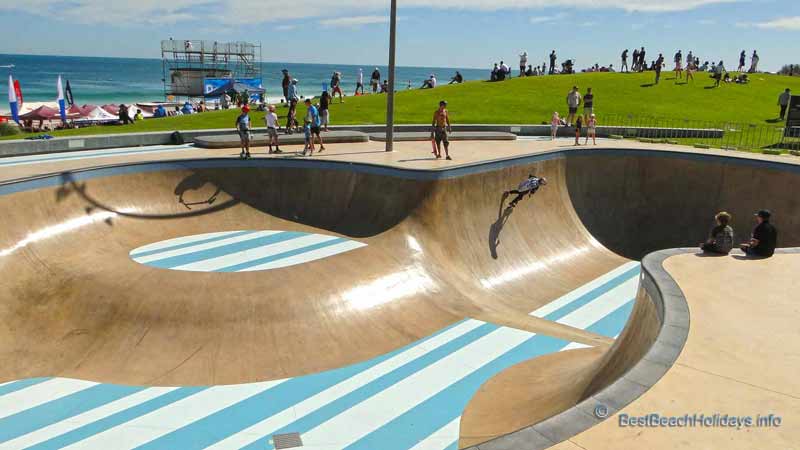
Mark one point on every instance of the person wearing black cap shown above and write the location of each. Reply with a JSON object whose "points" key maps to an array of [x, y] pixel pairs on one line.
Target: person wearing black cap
{"points": [[529, 186], [765, 237]]}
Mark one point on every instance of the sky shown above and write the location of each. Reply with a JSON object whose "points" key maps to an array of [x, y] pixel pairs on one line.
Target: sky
{"points": [[431, 33]]}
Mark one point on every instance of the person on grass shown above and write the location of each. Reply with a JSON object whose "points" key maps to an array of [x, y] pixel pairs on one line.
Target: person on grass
{"points": [[441, 129], [293, 99], [271, 120], [528, 187], [678, 65], [360, 82], [720, 240], [324, 109], [588, 105], [591, 130], [624, 66], [742, 63], [336, 86], [243, 128], [764, 238], [657, 65], [783, 102], [573, 102]]}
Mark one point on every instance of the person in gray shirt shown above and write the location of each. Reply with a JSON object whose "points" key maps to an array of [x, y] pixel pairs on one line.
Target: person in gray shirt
{"points": [[720, 240], [783, 101]]}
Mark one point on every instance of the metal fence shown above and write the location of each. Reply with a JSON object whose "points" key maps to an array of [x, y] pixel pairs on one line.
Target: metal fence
{"points": [[763, 137]]}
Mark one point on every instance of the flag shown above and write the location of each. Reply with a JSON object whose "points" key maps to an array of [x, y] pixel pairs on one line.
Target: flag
{"points": [[62, 109], [12, 100], [18, 91], [68, 95]]}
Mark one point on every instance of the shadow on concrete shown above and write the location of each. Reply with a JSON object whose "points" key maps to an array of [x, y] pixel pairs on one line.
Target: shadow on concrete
{"points": [[497, 227], [192, 182]]}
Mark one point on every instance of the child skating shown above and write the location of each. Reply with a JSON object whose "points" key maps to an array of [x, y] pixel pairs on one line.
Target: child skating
{"points": [[243, 128], [528, 187], [271, 120]]}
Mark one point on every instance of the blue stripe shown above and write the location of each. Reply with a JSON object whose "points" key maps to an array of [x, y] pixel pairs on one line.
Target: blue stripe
{"points": [[21, 384], [416, 424], [613, 324], [96, 155], [119, 418], [54, 411], [363, 393], [235, 418], [179, 260], [286, 254], [593, 294], [229, 235]]}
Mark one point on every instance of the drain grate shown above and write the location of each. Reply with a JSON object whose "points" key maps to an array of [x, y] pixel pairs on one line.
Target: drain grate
{"points": [[286, 440]]}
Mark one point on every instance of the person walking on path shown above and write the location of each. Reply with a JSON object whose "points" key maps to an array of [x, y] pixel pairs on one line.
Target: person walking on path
{"points": [[591, 130], [552, 62], [271, 120], [573, 102], [657, 65], [588, 105], [742, 58], [754, 62], [764, 238], [523, 63], [441, 129], [243, 128], [678, 66], [324, 111], [783, 101], [336, 86], [375, 80], [578, 126], [291, 116], [624, 66], [360, 82], [312, 122], [555, 122], [528, 187], [720, 240]]}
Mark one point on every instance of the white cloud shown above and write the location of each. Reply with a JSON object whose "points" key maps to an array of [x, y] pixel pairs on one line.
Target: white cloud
{"points": [[707, 22], [285, 27], [354, 21], [547, 19], [785, 23], [243, 12]]}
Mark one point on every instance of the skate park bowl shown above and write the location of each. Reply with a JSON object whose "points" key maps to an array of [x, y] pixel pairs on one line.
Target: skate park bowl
{"points": [[351, 305]]}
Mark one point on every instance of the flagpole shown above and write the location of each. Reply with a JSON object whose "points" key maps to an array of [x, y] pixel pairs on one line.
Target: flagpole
{"points": [[390, 94]]}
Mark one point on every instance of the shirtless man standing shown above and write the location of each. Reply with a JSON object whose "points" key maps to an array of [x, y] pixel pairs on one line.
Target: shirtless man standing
{"points": [[441, 128]]}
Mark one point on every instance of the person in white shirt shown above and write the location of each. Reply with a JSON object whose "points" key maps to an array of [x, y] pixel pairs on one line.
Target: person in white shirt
{"points": [[504, 68], [271, 119], [523, 63], [360, 82]]}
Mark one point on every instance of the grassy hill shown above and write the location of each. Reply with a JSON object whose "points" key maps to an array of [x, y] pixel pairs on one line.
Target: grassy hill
{"points": [[532, 100]]}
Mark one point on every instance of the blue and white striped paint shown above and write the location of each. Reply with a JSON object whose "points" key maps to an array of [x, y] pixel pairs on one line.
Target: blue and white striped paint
{"points": [[411, 398], [241, 251]]}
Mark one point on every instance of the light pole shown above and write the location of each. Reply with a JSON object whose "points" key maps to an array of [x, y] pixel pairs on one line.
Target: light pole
{"points": [[390, 94]]}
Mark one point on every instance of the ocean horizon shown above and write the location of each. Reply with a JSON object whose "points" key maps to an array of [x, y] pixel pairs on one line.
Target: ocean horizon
{"points": [[102, 80]]}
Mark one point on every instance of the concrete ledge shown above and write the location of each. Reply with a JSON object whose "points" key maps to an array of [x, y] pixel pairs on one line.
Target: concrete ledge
{"points": [[406, 136], [231, 140]]}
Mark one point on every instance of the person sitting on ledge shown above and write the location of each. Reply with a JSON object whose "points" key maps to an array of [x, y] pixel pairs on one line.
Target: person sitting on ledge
{"points": [[764, 239], [720, 240]]}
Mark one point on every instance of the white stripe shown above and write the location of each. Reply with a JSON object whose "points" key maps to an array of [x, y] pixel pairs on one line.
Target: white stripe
{"points": [[201, 247], [378, 410], [588, 287], [7, 382], [309, 256], [179, 241], [587, 315], [157, 423], [574, 346], [311, 404], [212, 264], [441, 438], [93, 415], [105, 153], [40, 393]]}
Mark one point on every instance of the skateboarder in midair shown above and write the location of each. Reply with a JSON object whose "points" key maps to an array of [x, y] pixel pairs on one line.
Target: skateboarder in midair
{"points": [[529, 186]]}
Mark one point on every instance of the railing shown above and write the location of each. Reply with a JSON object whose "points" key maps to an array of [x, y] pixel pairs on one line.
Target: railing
{"points": [[762, 137]]}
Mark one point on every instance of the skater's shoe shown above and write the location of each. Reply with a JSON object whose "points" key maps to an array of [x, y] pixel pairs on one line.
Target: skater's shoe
{"points": [[277, 150], [449, 158], [321, 149], [241, 155], [247, 156]]}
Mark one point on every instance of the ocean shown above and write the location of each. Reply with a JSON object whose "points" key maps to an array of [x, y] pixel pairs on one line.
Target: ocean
{"points": [[126, 80]]}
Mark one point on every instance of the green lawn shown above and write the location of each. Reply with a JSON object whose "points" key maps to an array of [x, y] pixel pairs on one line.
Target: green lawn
{"points": [[531, 101]]}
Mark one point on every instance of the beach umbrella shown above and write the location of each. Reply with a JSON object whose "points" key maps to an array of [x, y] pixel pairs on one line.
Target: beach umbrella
{"points": [[12, 100], [62, 109]]}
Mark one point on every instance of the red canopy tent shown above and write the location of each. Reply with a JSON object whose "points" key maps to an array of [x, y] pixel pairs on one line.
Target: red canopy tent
{"points": [[112, 109], [41, 113]]}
